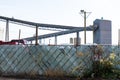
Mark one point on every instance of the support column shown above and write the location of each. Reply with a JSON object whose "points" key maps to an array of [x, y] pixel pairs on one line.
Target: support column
{"points": [[36, 37], [19, 36], [55, 40], [78, 39], [7, 31], [30, 42], [40, 41]]}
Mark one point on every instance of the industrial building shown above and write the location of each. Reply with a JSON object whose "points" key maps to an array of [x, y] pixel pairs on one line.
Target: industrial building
{"points": [[103, 34], [101, 30]]}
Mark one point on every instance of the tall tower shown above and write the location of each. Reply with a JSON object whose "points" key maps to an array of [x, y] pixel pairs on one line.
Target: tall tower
{"points": [[102, 35]]}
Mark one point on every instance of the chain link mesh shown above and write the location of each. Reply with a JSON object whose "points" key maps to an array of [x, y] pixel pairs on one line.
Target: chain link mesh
{"points": [[17, 59]]}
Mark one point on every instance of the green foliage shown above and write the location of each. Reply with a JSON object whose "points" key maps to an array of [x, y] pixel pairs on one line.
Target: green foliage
{"points": [[104, 66]]}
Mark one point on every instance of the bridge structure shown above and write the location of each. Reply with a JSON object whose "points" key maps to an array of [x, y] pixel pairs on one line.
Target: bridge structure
{"points": [[65, 29]]}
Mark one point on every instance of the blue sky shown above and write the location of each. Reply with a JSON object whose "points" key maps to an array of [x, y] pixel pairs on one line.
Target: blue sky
{"points": [[61, 12]]}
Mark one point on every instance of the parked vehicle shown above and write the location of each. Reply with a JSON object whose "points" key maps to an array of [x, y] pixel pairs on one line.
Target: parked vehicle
{"points": [[14, 42]]}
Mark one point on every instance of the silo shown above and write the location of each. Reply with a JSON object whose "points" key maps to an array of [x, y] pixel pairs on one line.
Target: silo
{"points": [[103, 34]]}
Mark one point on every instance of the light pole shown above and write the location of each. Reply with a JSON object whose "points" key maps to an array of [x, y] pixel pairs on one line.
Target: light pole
{"points": [[84, 13]]}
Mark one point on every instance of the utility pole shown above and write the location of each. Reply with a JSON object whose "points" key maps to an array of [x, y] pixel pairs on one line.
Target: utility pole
{"points": [[85, 17], [85, 27]]}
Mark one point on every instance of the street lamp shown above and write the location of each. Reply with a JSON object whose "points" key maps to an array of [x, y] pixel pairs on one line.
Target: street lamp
{"points": [[84, 13]]}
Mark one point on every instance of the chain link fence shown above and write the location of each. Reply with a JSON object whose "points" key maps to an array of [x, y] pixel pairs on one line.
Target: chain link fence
{"points": [[41, 59]]}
